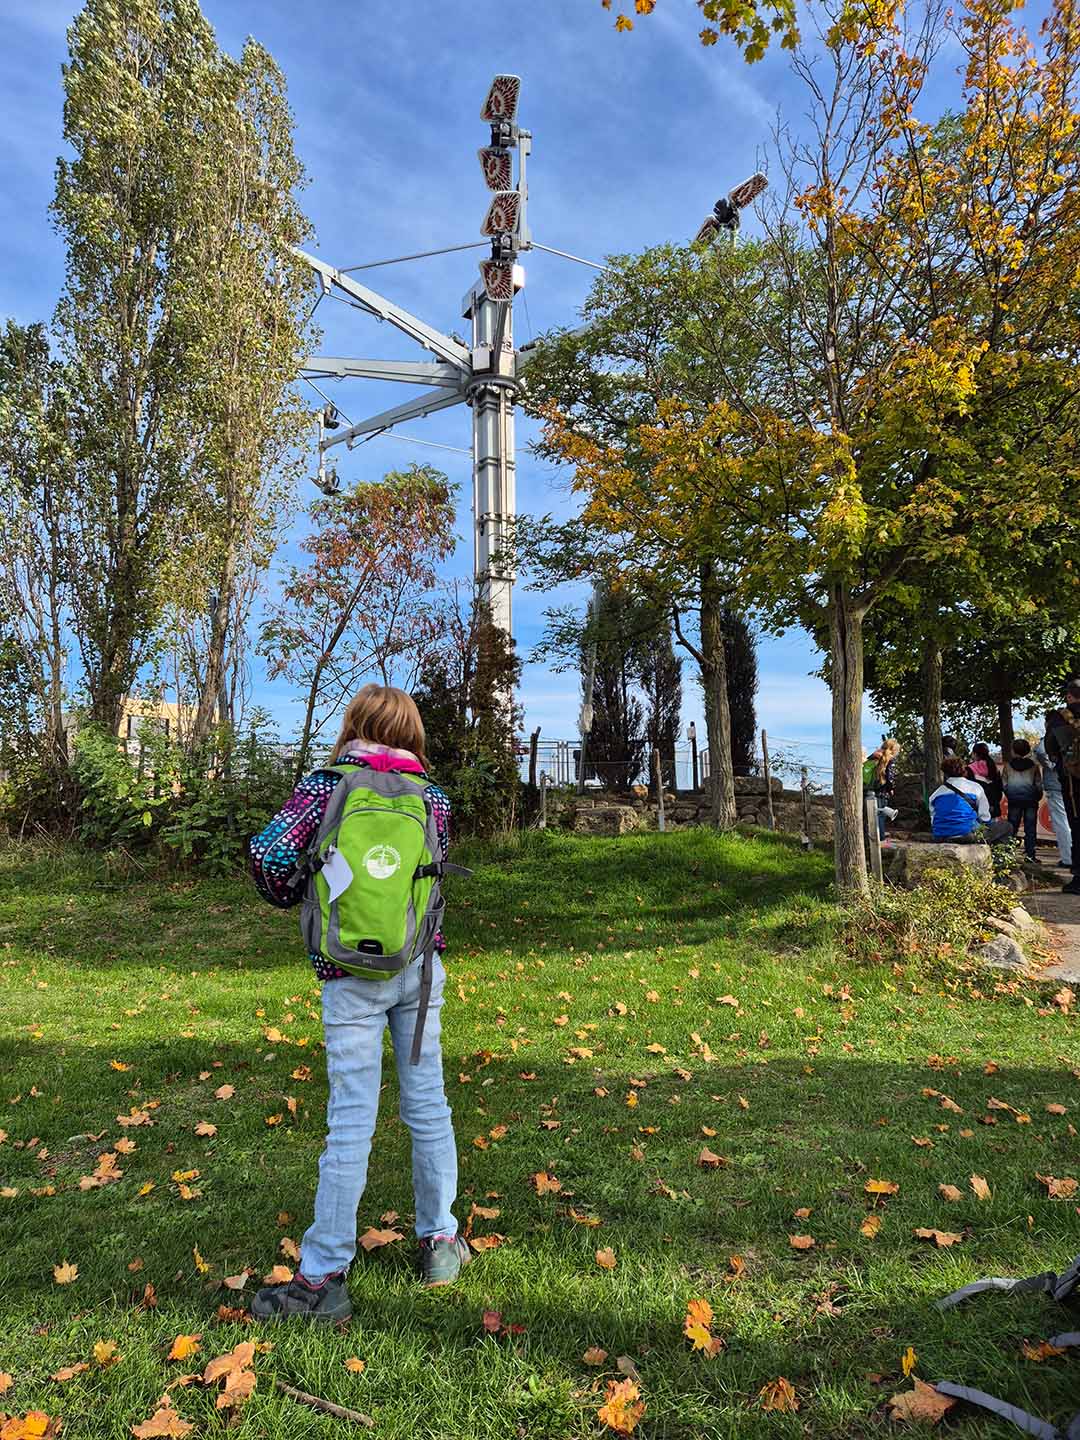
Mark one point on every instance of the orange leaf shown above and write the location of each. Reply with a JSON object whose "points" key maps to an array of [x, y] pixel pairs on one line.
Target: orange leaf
{"points": [[623, 1407], [279, 1275], [1063, 1189], [801, 1242], [1042, 1351], [70, 1371], [373, 1239], [486, 1242], [6, 1382], [778, 1394], [237, 1282], [708, 1161], [870, 1226], [594, 1355], [922, 1405], [184, 1346], [205, 1128], [165, 1421], [881, 1187], [950, 1192], [355, 1365], [606, 1259], [980, 1188], [941, 1238], [225, 1092], [64, 1273], [545, 1184]]}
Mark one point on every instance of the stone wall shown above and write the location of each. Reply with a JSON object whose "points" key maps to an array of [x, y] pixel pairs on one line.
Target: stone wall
{"points": [[600, 813]]}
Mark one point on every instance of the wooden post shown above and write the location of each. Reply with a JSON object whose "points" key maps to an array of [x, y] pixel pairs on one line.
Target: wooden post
{"points": [[807, 838], [534, 740], [543, 799], [659, 789], [768, 780], [873, 837]]}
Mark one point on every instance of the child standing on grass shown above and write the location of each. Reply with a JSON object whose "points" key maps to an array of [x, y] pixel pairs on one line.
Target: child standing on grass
{"points": [[381, 730]]}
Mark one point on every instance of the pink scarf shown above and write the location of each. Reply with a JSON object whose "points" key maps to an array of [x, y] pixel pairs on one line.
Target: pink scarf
{"points": [[382, 757]]}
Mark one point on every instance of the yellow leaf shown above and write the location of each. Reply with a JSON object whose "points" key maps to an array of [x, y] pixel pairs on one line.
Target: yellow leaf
{"points": [[64, 1273], [184, 1346], [881, 1187], [200, 1264], [870, 1226], [623, 1407], [118, 1065], [6, 1382], [980, 1188], [908, 1361], [279, 1275], [355, 1365], [106, 1353]]}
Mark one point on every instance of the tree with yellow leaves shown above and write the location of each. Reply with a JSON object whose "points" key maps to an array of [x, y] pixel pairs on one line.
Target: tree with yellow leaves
{"points": [[906, 402]]}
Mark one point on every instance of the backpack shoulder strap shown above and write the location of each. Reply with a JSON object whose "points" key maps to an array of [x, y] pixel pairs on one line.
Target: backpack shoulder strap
{"points": [[963, 794]]}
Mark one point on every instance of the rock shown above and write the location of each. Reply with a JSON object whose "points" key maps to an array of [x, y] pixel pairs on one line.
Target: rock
{"points": [[1002, 953], [606, 820], [912, 862], [1004, 927], [1019, 917]]}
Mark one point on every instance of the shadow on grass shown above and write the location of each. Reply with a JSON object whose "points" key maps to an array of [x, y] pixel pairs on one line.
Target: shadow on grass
{"points": [[691, 887]]}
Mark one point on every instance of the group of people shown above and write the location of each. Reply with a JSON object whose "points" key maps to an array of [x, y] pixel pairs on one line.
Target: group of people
{"points": [[967, 806]]}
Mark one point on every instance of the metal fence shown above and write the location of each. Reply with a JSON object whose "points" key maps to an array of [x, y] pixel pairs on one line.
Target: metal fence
{"points": [[560, 760]]}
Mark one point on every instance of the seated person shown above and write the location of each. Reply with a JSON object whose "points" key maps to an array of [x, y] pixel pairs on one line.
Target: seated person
{"points": [[959, 812]]}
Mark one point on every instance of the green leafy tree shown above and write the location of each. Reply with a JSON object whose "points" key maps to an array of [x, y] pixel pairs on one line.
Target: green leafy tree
{"points": [[660, 675], [464, 691], [241, 316]]}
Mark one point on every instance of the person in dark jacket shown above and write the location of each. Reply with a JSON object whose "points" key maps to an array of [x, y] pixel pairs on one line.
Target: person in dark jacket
{"points": [[1063, 748], [1021, 776]]}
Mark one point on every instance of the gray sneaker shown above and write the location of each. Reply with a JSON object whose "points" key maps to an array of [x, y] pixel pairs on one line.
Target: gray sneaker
{"points": [[442, 1259], [328, 1301]]}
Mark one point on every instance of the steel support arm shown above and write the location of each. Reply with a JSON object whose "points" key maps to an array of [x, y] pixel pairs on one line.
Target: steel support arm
{"points": [[420, 372], [377, 305], [413, 409]]}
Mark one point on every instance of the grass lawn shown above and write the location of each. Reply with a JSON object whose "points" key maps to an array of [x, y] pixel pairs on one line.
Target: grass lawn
{"points": [[613, 1007]]}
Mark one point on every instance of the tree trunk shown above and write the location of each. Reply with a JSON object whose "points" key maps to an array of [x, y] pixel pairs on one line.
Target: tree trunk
{"points": [[931, 717], [214, 675], [1005, 724], [717, 714], [846, 660], [309, 720]]}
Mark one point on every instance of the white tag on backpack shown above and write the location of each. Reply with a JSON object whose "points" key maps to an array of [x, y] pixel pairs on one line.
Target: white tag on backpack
{"points": [[337, 874]]}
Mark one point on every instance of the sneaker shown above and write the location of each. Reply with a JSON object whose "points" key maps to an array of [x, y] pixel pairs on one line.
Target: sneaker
{"points": [[889, 812], [442, 1258], [328, 1301], [1073, 887]]}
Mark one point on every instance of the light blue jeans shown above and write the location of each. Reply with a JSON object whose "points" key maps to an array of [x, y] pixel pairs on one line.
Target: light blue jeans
{"points": [[1055, 803], [355, 1014]]}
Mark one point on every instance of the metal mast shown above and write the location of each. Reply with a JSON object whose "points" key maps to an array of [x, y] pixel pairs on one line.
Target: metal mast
{"points": [[482, 374]]}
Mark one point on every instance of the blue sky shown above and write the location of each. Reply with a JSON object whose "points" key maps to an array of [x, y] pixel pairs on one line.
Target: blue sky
{"points": [[634, 138]]}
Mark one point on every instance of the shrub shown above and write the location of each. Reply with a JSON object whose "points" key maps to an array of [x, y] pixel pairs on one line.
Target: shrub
{"points": [[940, 919]]}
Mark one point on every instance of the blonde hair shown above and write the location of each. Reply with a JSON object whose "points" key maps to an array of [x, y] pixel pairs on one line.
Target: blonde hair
{"points": [[382, 715], [889, 751]]}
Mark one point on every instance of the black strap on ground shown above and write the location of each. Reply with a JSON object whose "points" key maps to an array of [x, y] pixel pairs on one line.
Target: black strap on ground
{"points": [[1060, 1287], [427, 967], [1022, 1419]]}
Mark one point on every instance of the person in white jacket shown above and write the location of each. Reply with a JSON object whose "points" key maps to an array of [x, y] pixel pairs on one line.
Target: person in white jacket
{"points": [[1055, 801], [959, 810]]}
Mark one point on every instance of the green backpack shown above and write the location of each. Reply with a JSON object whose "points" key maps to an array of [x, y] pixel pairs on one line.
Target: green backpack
{"points": [[869, 774], [372, 897]]}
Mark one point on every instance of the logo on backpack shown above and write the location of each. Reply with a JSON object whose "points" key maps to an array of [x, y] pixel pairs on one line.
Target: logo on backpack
{"points": [[382, 861]]}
